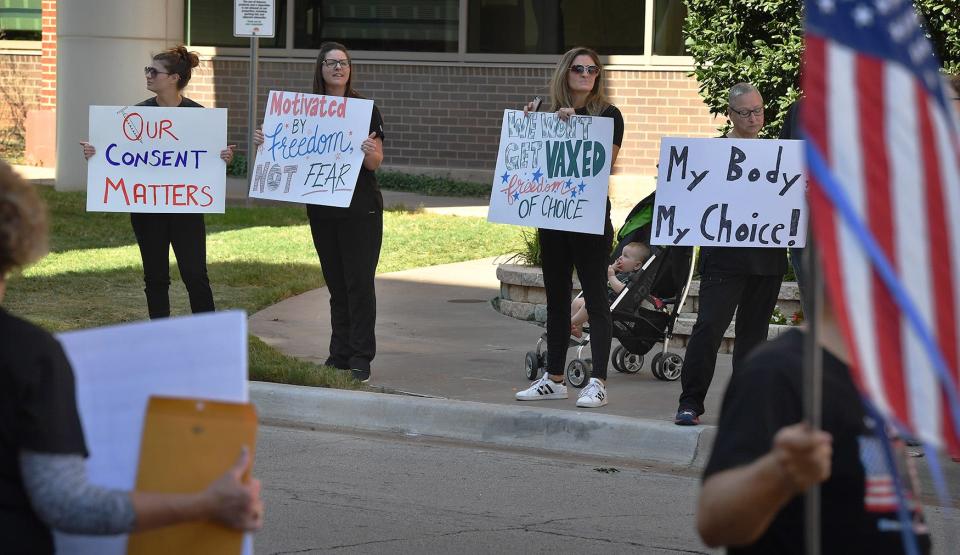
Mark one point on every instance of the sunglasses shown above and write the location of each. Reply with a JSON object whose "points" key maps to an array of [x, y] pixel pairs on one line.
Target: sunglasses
{"points": [[581, 69], [152, 72], [331, 63]]}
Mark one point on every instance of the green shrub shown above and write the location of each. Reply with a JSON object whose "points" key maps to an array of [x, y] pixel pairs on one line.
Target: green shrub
{"points": [[238, 166], [434, 186]]}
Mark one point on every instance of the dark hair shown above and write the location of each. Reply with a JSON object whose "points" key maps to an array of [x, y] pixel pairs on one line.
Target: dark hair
{"points": [[23, 222], [178, 61], [318, 84]]}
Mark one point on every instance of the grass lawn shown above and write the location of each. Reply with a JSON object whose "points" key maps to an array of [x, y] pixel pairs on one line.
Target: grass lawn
{"points": [[256, 257]]}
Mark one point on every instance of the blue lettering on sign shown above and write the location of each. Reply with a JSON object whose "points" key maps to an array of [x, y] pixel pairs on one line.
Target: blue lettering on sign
{"points": [[286, 147], [155, 158]]}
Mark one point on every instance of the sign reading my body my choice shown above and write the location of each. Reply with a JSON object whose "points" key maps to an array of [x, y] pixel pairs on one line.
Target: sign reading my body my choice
{"points": [[164, 160], [311, 150], [552, 173], [730, 193]]}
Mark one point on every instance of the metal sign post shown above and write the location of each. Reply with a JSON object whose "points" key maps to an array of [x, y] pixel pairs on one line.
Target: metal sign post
{"points": [[813, 387], [254, 19]]}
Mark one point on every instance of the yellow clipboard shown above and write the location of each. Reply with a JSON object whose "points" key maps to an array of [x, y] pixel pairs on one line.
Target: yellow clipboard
{"points": [[186, 445]]}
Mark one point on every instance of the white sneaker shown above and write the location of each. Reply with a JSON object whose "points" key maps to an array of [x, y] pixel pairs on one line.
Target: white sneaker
{"points": [[593, 396], [543, 389]]}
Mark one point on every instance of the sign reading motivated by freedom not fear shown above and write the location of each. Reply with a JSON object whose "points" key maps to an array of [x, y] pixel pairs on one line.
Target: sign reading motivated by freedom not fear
{"points": [[552, 173], [150, 159], [311, 151], [730, 193]]}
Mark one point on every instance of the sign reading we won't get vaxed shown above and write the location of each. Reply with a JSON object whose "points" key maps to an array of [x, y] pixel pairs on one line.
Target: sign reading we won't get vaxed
{"points": [[163, 160], [730, 193], [552, 173]]}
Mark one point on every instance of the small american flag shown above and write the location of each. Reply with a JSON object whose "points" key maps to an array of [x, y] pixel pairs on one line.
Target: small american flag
{"points": [[883, 145]]}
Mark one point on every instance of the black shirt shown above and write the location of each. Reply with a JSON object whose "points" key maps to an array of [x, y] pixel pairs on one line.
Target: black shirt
{"points": [[366, 195], [766, 396], [612, 112], [38, 412], [184, 103]]}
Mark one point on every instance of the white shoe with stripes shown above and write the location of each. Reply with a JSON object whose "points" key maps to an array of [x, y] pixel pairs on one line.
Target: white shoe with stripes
{"points": [[542, 390], [593, 396]]}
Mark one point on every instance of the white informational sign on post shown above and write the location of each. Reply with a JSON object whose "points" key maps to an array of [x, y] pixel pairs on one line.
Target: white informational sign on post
{"points": [[164, 160], [311, 150], [730, 193], [552, 173], [118, 368], [253, 18]]}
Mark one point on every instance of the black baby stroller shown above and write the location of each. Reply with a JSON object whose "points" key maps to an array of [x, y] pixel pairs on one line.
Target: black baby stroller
{"points": [[643, 314]]}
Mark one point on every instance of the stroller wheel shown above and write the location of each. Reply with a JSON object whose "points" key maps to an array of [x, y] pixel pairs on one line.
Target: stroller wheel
{"points": [[578, 373], [617, 359], [655, 365], [531, 365], [670, 366]]}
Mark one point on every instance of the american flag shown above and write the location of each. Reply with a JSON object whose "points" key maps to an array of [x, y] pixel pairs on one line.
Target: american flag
{"points": [[883, 149]]}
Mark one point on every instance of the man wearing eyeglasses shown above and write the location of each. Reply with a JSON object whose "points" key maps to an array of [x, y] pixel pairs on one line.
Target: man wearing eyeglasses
{"points": [[732, 279]]}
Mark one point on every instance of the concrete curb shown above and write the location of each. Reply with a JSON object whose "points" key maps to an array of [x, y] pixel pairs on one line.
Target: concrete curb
{"points": [[526, 426]]}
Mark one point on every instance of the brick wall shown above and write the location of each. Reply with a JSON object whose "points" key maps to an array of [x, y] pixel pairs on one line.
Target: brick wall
{"points": [[20, 74], [48, 59], [448, 117]]}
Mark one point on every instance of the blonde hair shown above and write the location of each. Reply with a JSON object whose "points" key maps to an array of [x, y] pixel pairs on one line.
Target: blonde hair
{"points": [[23, 222], [560, 93]]}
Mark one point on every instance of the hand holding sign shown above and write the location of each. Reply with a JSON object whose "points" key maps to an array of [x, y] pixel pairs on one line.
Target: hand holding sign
{"points": [[730, 192], [552, 172]]}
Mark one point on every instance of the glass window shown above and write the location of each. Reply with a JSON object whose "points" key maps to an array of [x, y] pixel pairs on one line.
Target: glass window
{"points": [[668, 19], [393, 25], [20, 19], [555, 26], [210, 23]]}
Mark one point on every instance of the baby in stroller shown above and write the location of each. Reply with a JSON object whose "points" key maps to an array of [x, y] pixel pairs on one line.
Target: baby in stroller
{"points": [[629, 262]]}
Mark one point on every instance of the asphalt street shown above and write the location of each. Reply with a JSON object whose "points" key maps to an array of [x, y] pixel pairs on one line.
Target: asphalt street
{"points": [[330, 492]]}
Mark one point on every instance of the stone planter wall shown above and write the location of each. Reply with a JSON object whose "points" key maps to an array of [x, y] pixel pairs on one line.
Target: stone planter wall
{"points": [[522, 296]]}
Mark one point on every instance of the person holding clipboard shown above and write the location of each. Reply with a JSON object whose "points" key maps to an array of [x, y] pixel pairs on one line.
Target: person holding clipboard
{"points": [[577, 88], [167, 75]]}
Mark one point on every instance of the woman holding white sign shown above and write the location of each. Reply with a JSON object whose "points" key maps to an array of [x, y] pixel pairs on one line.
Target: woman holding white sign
{"points": [[348, 239], [577, 88], [167, 75]]}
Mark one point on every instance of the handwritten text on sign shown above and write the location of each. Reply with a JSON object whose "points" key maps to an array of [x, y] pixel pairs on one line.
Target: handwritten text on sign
{"points": [[730, 193], [152, 159], [311, 151], [552, 173]]}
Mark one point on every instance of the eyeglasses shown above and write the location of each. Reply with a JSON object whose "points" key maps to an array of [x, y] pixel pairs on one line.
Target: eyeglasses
{"points": [[581, 69], [331, 63], [152, 72], [748, 113]]}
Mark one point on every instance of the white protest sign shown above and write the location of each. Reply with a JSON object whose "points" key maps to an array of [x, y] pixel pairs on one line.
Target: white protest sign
{"points": [[151, 159], [311, 151], [118, 368], [552, 173], [253, 18], [730, 193]]}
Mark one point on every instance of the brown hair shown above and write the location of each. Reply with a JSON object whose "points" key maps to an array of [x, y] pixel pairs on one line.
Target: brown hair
{"points": [[561, 96], [319, 87], [179, 61], [23, 222]]}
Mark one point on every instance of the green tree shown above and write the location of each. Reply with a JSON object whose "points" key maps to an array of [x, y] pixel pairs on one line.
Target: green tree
{"points": [[761, 42]]}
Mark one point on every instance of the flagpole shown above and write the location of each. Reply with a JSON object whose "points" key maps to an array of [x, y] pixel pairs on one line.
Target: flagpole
{"points": [[812, 385]]}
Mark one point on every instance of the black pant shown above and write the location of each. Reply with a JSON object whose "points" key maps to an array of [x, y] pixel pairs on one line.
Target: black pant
{"points": [[561, 252], [349, 249], [188, 235], [753, 298]]}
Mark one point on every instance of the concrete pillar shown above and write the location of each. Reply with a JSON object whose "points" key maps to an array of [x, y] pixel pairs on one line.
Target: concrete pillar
{"points": [[102, 47]]}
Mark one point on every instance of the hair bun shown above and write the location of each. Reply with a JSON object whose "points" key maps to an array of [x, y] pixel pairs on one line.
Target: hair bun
{"points": [[190, 57]]}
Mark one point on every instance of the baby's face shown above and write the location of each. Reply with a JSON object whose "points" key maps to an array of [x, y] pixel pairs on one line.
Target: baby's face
{"points": [[629, 260]]}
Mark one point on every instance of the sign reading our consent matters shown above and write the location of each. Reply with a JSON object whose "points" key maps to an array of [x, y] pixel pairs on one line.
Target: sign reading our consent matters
{"points": [[552, 173], [311, 150], [730, 193], [151, 159]]}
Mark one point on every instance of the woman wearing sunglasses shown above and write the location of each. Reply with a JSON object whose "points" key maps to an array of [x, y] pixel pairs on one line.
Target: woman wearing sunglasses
{"points": [[577, 88], [167, 76], [348, 239]]}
